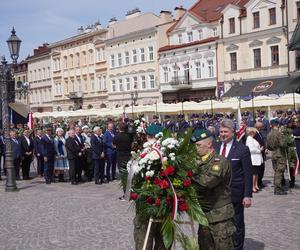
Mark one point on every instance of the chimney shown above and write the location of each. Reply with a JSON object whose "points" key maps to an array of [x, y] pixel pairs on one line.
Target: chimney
{"points": [[166, 16], [133, 13], [112, 21], [179, 11]]}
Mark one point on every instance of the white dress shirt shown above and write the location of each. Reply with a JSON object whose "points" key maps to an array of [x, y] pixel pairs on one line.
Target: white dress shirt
{"points": [[228, 147]]}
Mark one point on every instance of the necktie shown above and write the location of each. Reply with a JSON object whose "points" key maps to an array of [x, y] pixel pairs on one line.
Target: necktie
{"points": [[224, 150]]}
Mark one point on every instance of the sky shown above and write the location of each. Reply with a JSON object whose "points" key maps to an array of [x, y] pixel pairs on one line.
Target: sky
{"points": [[40, 21]]}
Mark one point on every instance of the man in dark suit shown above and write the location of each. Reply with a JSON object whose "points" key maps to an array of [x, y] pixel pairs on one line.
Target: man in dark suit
{"points": [[261, 140], [27, 153], [37, 149], [98, 155], [111, 153], [241, 183], [168, 124], [81, 161], [74, 152], [155, 120], [17, 152], [48, 152]]}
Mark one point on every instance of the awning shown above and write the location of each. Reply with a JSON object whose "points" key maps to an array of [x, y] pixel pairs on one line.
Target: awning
{"points": [[21, 108], [294, 43], [275, 86]]}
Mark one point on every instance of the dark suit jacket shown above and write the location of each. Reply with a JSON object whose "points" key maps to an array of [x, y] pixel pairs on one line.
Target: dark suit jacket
{"points": [[16, 149], [2, 146], [97, 147], [241, 183], [37, 146], [261, 140], [25, 147], [48, 149], [73, 148]]}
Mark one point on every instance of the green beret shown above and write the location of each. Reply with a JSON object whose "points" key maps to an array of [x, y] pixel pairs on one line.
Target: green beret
{"points": [[199, 135], [154, 129], [274, 122]]}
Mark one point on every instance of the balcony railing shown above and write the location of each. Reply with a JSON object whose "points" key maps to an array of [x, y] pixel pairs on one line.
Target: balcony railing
{"points": [[181, 82], [76, 95]]}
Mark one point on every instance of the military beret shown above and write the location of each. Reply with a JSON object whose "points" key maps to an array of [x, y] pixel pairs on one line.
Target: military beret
{"points": [[196, 116], [193, 116], [274, 122], [155, 117], [180, 116], [167, 117], [154, 129], [199, 135]]}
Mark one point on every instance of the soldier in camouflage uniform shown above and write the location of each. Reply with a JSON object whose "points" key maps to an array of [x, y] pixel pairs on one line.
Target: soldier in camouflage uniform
{"points": [[277, 143], [212, 183]]}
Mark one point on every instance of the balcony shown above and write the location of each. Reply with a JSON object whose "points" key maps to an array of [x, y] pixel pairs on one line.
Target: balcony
{"points": [[181, 82], [75, 95]]}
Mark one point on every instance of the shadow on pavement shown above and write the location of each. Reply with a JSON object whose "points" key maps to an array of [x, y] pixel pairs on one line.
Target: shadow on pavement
{"points": [[251, 244]]}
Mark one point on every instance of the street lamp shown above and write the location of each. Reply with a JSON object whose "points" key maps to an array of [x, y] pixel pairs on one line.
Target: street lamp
{"points": [[13, 43], [134, 97]]}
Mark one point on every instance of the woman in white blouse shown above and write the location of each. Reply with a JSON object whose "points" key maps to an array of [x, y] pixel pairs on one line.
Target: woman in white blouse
{"points": [[256, 155]]}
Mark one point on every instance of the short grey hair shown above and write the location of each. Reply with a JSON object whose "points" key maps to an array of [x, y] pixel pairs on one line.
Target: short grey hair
{"points": [[96, 128], [59, 129], [227, 123]]}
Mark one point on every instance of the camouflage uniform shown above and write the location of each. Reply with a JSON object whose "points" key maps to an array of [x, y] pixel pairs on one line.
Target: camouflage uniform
{"points": [[277, 143], [212, 183]]}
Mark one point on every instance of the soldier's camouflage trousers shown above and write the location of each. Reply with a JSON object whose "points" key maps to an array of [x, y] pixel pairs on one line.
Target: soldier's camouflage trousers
{"points": [[155, 238], [218, 236], [279, 165]]}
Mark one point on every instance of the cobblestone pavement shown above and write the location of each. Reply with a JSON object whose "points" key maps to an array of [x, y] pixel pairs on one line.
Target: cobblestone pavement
{"points": [[62, 216]]}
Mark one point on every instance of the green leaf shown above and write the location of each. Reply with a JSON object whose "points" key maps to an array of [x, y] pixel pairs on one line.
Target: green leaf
{"points": [[167, 232]]}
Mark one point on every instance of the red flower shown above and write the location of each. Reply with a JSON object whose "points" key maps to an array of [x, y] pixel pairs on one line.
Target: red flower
{"points": [[163, 174], [169, 200], [170, 170], [156, 181], [133, 196], [163, 184], [148, 178], [157, 202], [187, 182], [183, 206], [150, 200], [143, 155], [189, 173]]}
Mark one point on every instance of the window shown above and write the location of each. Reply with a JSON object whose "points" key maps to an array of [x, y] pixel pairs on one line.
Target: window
{"points": [[120, 59], [186, 71], [112, 61], [143, 79], [49, 70], [233, 62], [166, 74], [65, 62], [257, 58], [210, 64], [104, 82], [134, 56], [77, 59], [198, 69], [113, 85], [44, 73], [298, 9], [179, 38], [72, 61], [40, 74], [73, 85], [200, 34], [231, 25], [152, 81], [99, 85], [84, 58], [272, 13], [175, 71], [127, 83], [142, 51], [91, 54], [274, 55], [151, 54], [78, 84], [99, 55], [215, 31], [127, 58], [92, 84], [121, 85], [256, 20], [190, 36], [135, 82]]}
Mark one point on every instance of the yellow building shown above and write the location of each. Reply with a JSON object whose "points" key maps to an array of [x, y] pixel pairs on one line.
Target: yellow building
{"points": [[79, 70]]}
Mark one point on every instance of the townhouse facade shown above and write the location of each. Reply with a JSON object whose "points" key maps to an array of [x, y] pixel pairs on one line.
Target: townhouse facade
{"points": [[253, 44], [21, 80], [39, 80], [188, 63], [131, 51], [79, 70]]}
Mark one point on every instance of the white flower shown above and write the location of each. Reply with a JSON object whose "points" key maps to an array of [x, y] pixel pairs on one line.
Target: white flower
{"points": [[162, 148], [165, 158], [172, 158], [150, 173]]}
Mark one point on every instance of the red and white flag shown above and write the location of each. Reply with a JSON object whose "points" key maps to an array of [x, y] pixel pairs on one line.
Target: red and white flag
{"points": [[296, 167], [241, 133]]}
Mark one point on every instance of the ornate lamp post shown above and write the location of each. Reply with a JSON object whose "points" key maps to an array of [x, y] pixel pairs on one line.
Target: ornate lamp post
{"points": [[5, 79], [134, 97]]}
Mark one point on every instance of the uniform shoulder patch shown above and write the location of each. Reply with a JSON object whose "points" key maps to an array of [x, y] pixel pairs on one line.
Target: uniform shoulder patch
{"points": [[216, 168]]}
